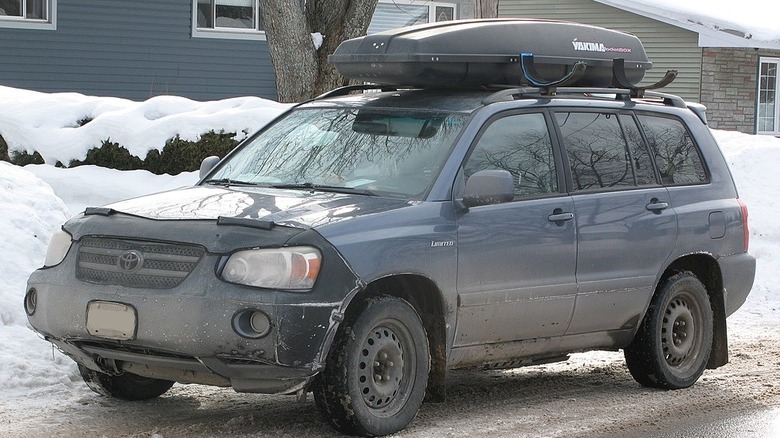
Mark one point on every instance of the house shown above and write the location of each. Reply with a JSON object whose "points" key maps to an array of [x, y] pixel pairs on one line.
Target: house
{"points": [[727, 54], [201, 49]]}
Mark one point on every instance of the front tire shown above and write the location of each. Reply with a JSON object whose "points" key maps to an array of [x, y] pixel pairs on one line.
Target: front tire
{"points": [[124, 386], [674, 342], [377, 370]]}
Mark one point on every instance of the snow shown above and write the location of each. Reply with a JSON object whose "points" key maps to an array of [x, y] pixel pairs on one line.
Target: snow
{"points": [[756, 19], [37, 199], [53, 124], [318, 39]]}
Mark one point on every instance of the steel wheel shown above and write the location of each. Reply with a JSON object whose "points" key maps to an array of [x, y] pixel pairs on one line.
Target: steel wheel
{"points": [[673, 344], [375, 377], [382, 368], [681, 334]]}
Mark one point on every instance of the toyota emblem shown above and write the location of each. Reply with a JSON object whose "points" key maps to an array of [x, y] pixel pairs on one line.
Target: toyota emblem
{"points": [[130, 261]]}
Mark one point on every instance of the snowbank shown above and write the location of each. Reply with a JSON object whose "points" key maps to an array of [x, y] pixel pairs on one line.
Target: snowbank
{"points": [[53, 123], [29, 213], [754, 161]]}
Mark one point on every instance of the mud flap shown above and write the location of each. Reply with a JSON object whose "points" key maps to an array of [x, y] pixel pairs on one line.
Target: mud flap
{"points": [[720, 345]]}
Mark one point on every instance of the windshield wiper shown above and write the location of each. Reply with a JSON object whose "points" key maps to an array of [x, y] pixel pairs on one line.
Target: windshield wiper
{"points": [[324, 188], [227, 182]]}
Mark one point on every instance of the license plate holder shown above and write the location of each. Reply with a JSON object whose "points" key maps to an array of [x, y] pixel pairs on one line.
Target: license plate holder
{"points": [[110, 320]]}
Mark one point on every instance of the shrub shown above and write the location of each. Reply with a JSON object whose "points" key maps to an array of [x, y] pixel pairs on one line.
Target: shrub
{"points": [[4, 150], [176, 156], [112, 155], [23, 158], [183, 156]]}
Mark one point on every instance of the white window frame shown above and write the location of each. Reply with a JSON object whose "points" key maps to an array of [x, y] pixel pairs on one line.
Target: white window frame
{"points": [[431, 7], [47, 23], [761, 62], [226, 32]]}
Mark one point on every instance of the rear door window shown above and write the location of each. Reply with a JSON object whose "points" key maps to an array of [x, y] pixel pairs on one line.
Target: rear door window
{"points": [[605, 151]]}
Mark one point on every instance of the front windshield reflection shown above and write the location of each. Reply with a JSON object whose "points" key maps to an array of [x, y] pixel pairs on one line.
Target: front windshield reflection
{"points": [[383, 152]]}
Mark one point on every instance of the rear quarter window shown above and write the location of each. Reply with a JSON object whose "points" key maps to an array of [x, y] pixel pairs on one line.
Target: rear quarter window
{"points": [[676, 155]]}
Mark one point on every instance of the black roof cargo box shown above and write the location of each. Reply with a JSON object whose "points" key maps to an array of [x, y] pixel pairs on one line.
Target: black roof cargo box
{"points": [[464, 53]]}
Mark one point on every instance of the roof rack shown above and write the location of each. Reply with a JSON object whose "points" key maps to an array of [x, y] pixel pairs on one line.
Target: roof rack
{"points": [[622, 94], [343, 91]]}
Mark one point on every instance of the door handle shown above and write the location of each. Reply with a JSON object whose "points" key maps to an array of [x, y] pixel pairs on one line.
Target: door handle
{"points": [[657, 205], [559, 216]]}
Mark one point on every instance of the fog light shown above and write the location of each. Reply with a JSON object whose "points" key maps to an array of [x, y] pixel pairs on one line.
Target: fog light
{"points": [[30, 301], [260, 322], [251, 323]]}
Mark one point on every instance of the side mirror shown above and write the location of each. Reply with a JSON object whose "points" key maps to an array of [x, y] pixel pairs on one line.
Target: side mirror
{"points": [[207, 164], [489, 187]]}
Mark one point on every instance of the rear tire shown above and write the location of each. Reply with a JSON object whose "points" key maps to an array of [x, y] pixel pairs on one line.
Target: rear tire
{"points": [[674, 342], [377, 370], [124, 386]]}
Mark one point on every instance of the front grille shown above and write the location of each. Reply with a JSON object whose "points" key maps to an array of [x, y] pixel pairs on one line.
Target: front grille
{"points": [[130, 263]]}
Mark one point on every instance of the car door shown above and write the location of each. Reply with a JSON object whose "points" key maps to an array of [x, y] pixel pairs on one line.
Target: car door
{"points": [[626, 227], [516, 259]]}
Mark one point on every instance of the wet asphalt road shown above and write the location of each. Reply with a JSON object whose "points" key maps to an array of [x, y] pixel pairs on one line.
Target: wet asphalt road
{"points": [[758, 424]]}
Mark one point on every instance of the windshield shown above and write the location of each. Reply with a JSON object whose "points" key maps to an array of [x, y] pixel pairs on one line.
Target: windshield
{"points": [[372, 151]]}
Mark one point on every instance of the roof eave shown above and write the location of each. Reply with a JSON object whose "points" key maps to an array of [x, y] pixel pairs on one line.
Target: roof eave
{"points": [[707, 37]]}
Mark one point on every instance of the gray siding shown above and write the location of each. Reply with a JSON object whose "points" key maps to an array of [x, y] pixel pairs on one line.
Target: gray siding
{"points": [[132, 49], [668, 47]]}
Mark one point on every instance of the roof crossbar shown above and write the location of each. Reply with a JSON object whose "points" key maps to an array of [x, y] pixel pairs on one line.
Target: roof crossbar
{"points": [[619, 79]]}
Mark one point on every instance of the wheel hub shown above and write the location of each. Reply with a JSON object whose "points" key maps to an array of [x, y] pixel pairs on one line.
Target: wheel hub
{"points": [[381, 367], [678, 332]]}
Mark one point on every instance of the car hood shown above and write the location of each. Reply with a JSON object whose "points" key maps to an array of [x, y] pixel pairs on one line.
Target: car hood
{"points": [[295, 208]]}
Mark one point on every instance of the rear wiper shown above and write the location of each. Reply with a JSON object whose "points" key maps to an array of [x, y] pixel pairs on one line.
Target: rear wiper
{"points": [[323, 188], [227, 182]]}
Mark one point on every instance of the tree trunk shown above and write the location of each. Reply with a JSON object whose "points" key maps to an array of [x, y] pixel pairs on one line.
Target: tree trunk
{"points": [[337, 20], [291, 48], [486, 8], [302, 71]]}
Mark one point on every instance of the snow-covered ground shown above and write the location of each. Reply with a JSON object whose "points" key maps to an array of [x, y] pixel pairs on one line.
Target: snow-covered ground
{"points": [[36, 199]]}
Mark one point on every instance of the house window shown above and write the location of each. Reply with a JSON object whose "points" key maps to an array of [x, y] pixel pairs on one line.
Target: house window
{"points": [[234, 19], [768, 112], [27, 14], [400, 13]]}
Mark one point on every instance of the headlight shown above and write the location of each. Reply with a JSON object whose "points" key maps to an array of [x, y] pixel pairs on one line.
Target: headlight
{"points": [[279, 268], [58, 248]]}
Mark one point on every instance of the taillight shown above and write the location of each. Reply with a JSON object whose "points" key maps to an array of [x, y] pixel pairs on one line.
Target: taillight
{"points": [[746, 232]]}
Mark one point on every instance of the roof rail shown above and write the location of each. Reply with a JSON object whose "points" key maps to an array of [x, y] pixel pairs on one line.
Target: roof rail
{"points": [[343, 91], [623, 94]]}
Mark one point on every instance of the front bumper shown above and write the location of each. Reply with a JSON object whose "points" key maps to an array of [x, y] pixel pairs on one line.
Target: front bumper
{"points": [[189, 333]]}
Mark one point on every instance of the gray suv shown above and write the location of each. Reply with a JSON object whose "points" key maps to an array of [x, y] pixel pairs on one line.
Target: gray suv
{"points": [[364, 243]]}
